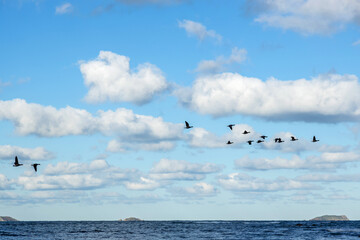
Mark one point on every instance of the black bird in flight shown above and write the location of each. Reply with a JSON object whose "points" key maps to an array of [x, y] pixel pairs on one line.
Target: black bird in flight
{"points": [[35, 166], [246, 132], [230, 126], [229, 142], [16, 163], [263, 136], [314, 139], [293, 139], [250, 141], [187, 125], [278, 140], [260, 141]]}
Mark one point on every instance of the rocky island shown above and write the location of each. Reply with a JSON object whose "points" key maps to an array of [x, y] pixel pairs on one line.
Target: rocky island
{"points": [[330, 218], [131, 219], [7, 219]]}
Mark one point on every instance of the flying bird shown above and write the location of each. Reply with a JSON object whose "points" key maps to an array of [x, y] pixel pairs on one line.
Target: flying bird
{"points": [[260, 141], [229, 142], [230, 126], [314, 139], [16, 163], [263, 136], [293, 139], [278, 140], [187, 125], [250, 141], [35, 166], [246, 132]]}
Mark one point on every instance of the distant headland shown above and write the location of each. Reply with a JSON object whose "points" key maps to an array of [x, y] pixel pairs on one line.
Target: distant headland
{"points": [[330, 218], [131, 219], [7, 219]]}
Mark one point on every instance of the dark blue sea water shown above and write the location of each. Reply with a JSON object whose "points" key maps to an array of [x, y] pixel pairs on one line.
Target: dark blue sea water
{"points": [[179, 230]]}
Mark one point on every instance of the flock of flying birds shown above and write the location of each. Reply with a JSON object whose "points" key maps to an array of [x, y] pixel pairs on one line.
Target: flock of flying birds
{"points": [[277, 140], [187, 126]]}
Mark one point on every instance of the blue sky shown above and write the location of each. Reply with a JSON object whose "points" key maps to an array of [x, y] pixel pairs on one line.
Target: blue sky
{"points": [[97, 92]]}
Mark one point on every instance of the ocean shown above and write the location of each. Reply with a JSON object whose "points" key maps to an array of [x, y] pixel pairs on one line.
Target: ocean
{"points": [[57, 230]]}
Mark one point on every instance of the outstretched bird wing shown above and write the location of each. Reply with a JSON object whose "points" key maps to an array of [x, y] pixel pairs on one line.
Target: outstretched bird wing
{"points": [[16, 160], [187, 124]]}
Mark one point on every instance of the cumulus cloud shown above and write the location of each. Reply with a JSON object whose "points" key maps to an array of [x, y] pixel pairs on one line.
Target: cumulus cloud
{"points": [[64, 9], [167, 169], [198, 190], [99, 174], [66, 181], [329, 178], [143, 183], [81, 176], [307, 16], [75, 168], [109, 77], [150, 132], [47, 121], [198, 30], [119, 146], [217, 65], [39, 153], [328, 160], [245, 183], [137, 127], [325, 98], [5, 183]]}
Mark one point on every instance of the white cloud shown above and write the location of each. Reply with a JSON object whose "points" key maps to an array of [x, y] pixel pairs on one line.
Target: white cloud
{"points": [[167, 169], [170, 166], [66, 181], [117, 146], [141, 128], [308, 16], [81, 176], [5, 183], [243, 182], [328, 160], [39, 153], [198, 30], [143, 184], [217, 65], [151, 133], [75, 168], [329, 178], [64, 9], [30, 118], [109, 77], [325, 98], [199, 137], [198, 190]]}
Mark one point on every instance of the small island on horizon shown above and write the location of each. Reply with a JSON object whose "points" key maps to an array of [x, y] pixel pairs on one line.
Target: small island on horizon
{"points": [[130, 219], [330, 218], [7, 219]]}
